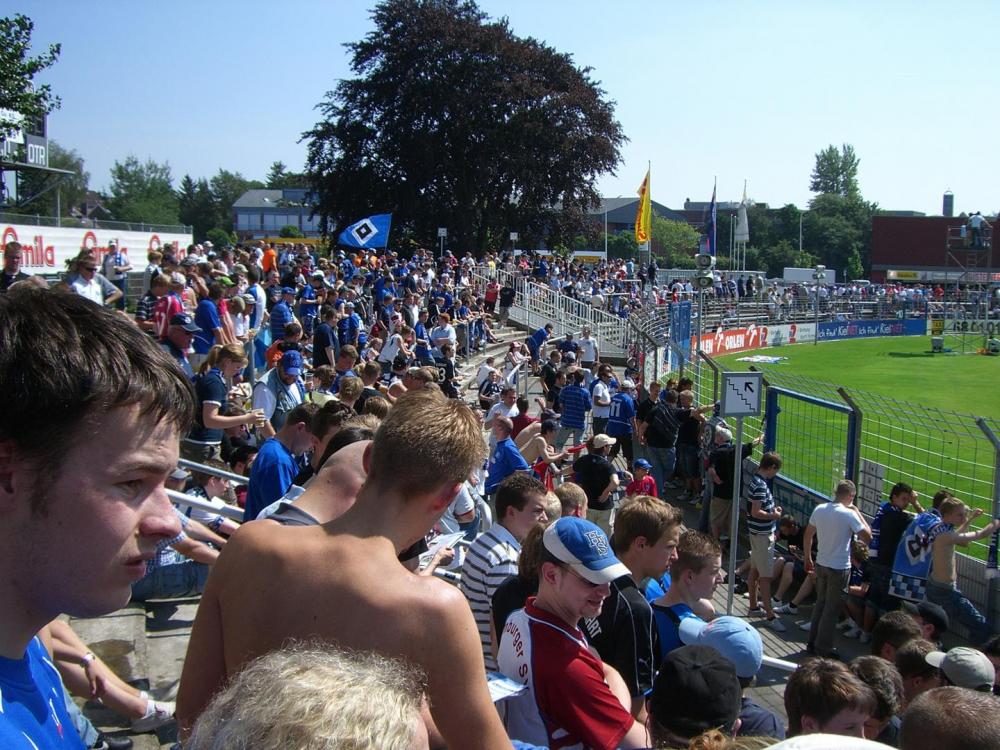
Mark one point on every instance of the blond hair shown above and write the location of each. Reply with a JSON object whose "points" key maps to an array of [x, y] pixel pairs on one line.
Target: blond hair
{"points": [[643, 516], [426, 442], [315, 698], [349, 389]]}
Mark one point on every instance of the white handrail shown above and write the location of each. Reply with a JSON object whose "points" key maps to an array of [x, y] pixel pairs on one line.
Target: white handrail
{"points": [[189, 501], [213, 472]]}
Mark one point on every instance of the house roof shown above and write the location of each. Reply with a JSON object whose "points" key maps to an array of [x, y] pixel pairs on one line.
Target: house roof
{"points": [[622, 210], [258, 199]]}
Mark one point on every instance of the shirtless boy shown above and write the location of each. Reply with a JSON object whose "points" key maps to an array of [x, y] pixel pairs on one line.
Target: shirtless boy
{"points": [[341, 581]]}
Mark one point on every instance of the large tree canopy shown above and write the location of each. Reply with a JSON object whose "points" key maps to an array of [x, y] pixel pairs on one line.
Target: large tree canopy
{"points": [[18, 93], [451, 120]]}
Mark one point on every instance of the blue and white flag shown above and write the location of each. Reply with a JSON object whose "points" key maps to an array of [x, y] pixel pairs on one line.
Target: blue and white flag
{"points": [[370, 232]]}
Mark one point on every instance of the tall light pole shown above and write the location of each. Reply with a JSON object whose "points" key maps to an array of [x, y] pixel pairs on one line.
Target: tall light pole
{"points": [[819, 277]]}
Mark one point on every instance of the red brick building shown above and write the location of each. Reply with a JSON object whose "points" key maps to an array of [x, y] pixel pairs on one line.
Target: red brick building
{"points": [[916, 248]]}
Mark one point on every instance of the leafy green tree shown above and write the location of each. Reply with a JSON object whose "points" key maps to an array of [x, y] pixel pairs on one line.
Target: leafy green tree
{"points": [[674, 241], [836, 171], [142, 192], [452, 120], [621, 245], [197, 207], [18, 94], [72, 189], [290, 230], [226, 188], [276, 175], [219, 238], [837, 229]]}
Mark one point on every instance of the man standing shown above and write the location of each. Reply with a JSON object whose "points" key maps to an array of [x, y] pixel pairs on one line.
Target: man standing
{"points": [[281, 313], [568, 701], [275, 583], [280, 390], [536, 345], [601, 396], [506, 299], [645, 540], [621, 421], [762, 512], [206, 317], [588, 351], [12, 272], [180, 333], [599, 480], [115, 268], [91, 285], [82, 501], [326, 348], [834, 523], [574, 401], [275, 467], [658, 433], [492, 558], [506, 458]]}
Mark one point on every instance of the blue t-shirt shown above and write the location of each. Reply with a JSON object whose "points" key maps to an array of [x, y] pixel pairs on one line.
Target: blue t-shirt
{"points": [[179, 357], [347, 328], [209, 388], [323, 339], [667, 629], [307, 301], [281, 314], [620, 416], [506, 459], [657, 588], [538, 337], [206, 316], [33, 712], [270, 478], [575, 403]]}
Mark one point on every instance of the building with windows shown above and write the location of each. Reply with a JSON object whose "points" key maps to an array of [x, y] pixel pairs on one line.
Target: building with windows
{"points": [[263, 213]]}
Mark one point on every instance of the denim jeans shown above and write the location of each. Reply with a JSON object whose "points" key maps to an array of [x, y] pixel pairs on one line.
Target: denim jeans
{"points": [[566, 432], [831, 592], [83, 726], [664, 460], [172, 581], [955, 603]]}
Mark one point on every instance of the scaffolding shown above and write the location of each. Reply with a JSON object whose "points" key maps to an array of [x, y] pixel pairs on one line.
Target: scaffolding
{"points": [[966, 325]]}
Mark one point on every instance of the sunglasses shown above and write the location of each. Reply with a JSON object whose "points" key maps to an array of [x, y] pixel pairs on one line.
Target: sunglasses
{"points": [[88, 268]]}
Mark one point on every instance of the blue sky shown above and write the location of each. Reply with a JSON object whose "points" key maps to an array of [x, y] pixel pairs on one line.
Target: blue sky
{"points": [[733, 90]]}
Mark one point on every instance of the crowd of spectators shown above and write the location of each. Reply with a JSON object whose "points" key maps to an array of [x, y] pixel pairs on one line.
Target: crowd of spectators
{"points": [[584, 613]]}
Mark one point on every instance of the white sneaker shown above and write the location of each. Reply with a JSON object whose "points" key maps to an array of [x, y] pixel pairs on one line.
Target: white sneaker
{"points": [[786, 609], [162, 713], [755, 612], [852, 632], [846, 624], [805, 626], [776, 625]]}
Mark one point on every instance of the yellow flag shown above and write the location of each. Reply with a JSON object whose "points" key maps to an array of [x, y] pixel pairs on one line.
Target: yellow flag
{"points": [[643, 215]]}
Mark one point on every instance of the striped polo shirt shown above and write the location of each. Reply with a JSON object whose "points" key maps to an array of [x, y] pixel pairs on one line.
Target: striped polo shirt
{"points": [[575, 403], [756, 489], [490, 561]]}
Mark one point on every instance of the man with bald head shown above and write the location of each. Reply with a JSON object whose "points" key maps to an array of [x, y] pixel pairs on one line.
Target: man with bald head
{"points": [[341, 580]]}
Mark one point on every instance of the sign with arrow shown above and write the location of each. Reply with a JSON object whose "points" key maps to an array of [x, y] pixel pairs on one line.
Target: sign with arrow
{"points": [[741, 394]]}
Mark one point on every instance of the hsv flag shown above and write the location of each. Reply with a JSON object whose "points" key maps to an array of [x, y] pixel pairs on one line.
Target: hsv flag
{"points": [[369, 232], [644, 214]]}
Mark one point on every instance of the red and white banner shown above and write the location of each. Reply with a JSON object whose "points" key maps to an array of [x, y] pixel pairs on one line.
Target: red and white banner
{"points": [[45, 250], [754, 337]]}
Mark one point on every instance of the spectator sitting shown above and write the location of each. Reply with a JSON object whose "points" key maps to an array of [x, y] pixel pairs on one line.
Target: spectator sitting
{"points": [[918, 676], [694, 575], [211, 488], [315, 698], [964, 667], [643, 482], [891, 631], [887, 685], [492, 558], [931, 617], [568, 696], [275, 467], [323, 377], [696, 689], [645, 540], [167, 575], [822, 695], [951, 717], [741, 644]]}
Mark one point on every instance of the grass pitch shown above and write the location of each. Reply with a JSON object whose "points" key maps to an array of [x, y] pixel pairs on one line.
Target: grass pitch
{"points": [[907, 396]]}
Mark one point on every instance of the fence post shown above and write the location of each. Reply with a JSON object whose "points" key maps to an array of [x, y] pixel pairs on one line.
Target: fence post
{"points": [[771, 410], [995, 442], [853, 436]]}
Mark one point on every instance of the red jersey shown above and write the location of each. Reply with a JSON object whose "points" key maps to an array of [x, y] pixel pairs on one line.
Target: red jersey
{"points": [[568, 704], [644, 486], [165, 308]]}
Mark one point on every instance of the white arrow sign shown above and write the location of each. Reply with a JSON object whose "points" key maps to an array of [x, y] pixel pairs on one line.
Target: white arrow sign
{"points": [[741, 394]]}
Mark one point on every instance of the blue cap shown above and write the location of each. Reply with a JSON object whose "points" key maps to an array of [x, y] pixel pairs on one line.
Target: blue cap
{"points": [[585, 548], [641, 463], [186, 322], [732, 637], [287, 290], [291, 362]]}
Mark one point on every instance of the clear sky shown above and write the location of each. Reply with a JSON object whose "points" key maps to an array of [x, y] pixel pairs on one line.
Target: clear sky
{"points": [[734, 90]]}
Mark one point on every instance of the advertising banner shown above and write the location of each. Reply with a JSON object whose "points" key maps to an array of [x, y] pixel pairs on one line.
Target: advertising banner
{"points": [[45, 250], [858, 329], [680, 328], [755, 337]]}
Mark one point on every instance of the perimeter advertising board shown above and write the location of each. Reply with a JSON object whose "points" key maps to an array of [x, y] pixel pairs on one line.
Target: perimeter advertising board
{"points": [[45, 250], [754, 337], [860, 329]]}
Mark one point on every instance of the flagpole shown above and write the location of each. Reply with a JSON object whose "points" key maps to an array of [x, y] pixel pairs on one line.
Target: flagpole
{"points": [[649, 240]]}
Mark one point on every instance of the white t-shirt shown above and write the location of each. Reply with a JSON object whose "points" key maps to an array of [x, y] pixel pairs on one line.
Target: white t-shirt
{"points": [[835, 525], [390, 349], [601, 391], [588, 349]]}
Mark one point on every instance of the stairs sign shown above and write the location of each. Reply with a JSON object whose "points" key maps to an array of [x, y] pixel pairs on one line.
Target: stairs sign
{"points": [[742, 393]]}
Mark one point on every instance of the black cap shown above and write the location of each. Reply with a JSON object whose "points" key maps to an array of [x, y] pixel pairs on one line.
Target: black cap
{"points": [[695, 690], [931, 613]]}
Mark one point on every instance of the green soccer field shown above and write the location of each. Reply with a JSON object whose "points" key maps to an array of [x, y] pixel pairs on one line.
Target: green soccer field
{"points": [[900, 387]]}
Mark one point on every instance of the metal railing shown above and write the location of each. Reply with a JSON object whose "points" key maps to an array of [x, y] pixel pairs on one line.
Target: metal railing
{"points": [[72, 222], [189, 501], [213, 472]]}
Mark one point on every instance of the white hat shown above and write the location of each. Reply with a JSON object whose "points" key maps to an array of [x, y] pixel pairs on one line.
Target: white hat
{"points": [[602, 440]]}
